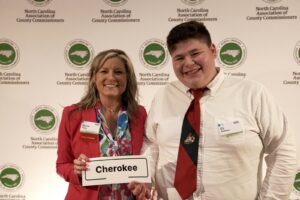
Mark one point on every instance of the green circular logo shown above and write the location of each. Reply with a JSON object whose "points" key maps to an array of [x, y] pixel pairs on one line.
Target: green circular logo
{"points": [[297, 182], [297, 53], [154, 54], [44, 119], [40, 3], [271, 1], [9, 54], [231, 53], [192, 2], [79, 54], [115, 2], [11, 177]]}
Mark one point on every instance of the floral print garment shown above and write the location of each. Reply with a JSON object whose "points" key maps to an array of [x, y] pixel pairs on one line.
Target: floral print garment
{"points": [[115, 146]]}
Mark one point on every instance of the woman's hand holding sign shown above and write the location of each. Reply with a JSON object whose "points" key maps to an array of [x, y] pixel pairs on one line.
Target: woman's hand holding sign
{"points": [[80, 164]]}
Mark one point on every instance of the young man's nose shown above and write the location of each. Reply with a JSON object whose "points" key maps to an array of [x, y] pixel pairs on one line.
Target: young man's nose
{"points": [[189, 60]]}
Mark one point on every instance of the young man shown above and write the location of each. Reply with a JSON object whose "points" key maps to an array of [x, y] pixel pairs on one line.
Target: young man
{"points": [[240, 125]]}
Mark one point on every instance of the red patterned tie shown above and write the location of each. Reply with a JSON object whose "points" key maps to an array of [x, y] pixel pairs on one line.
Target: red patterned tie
{"points": [[186, 168]]}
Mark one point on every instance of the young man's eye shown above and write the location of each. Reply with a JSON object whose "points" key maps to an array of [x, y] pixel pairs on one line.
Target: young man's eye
{"points": [[195, 53], [178, 58]]}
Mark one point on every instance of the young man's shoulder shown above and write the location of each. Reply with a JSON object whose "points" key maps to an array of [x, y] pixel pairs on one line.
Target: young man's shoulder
{"points": [[174, 85], [173, 89], [243, 82]]}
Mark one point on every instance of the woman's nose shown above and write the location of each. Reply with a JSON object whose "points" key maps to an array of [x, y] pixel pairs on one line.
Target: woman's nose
{"points": [[111, 75]]}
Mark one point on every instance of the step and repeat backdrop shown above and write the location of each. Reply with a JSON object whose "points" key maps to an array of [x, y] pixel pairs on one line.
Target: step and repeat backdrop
{"points": [[46, 47]]}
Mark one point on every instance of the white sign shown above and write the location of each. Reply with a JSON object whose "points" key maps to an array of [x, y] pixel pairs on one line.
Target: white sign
{"points": [[118, 169]]}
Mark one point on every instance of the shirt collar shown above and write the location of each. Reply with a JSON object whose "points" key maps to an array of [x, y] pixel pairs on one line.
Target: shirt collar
{"points": [[213, 86]]}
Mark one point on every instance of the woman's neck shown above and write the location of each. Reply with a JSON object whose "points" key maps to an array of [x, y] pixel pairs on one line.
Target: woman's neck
{"points": [[111, 105]]}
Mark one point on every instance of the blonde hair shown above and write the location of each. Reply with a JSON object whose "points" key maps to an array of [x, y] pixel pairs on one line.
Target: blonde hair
{"points": [[129, 97]]}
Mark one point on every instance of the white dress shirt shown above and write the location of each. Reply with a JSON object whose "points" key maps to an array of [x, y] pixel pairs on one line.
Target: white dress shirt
{"points": [[240, 125]]}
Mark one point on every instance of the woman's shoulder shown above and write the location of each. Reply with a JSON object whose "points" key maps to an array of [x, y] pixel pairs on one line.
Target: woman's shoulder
{"points": [[141, 107], [140, 113], [71, 108], [142, 110]]}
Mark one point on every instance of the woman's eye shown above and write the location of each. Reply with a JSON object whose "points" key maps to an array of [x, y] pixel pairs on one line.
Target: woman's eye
{"points": [[119, 72], [102, 71]]}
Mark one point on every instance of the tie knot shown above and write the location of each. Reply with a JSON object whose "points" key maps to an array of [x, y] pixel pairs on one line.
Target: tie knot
{"points": [[197, 93]]}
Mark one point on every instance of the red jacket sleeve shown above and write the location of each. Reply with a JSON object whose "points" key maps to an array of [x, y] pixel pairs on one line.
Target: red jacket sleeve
{"points": [[137, 130], [65, 156]]}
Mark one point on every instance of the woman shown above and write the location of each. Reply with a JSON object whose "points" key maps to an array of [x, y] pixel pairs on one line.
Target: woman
{"points": [[111, 101]]}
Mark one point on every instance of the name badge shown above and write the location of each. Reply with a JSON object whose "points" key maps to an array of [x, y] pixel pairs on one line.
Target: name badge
{"points": [[89, 131], [231, 127]]}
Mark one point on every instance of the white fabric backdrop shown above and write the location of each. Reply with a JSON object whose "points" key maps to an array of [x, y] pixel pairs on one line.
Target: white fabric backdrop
{"points": [[38, 77]]}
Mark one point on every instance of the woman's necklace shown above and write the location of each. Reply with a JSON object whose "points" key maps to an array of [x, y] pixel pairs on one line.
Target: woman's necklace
{"points": [[110, 115], [111, 110]]}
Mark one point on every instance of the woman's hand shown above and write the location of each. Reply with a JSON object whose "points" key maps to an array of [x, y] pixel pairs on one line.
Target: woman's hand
{"points": [[80, 164], [140, 190]]}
